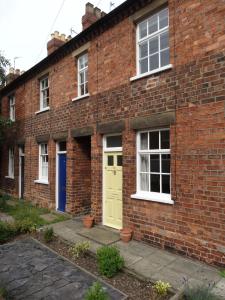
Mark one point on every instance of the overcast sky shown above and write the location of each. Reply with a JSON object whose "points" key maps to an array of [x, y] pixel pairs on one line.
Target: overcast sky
{"points": [[25, 26]]}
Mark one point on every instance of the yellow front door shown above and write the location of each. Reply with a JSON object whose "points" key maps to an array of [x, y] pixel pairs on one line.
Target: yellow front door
{"points": [[112, 189]]}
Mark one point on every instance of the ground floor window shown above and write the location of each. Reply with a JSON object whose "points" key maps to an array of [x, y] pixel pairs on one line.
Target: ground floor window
{"points": [[11, 163], [153, 161], [43, 161]]}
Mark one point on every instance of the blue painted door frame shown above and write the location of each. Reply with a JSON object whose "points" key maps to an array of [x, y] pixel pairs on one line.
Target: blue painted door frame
{"points": [[62, 181]]}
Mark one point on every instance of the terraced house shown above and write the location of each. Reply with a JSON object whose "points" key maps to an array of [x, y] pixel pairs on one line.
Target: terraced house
{"points": [[127, 120]]}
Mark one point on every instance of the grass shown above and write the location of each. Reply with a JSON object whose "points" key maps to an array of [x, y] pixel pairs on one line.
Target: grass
{"points": [[222, 273], [26, 211]]}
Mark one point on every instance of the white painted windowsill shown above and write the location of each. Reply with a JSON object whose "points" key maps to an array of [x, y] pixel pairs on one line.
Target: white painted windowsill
{"points": [[43, 110], [41, 181], [9, 177], [81, 97], [151, 72], [154, 197]]}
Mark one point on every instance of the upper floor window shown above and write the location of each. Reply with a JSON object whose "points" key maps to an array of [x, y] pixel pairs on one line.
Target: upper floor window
{"points": [[83, 75], [11, 163], [44, 93], [153, 149], [43, 162], [153, 42], [12, 107]]}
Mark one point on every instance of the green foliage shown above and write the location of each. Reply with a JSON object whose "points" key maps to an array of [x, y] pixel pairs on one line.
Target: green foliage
{"points": [[79, 249], [48, 234], [222, 273], [7, 231], [25, 226], [161, 288], [3, 292], [110, 262], [3, 202], [96, 292], [200, 293], [3, 64]]}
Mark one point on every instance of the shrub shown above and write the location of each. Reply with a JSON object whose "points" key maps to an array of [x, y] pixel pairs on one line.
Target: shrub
{"points": [[3, 292], [109, 261], [199, 293], [161, 287], [48, 234], [25, 226], [96, 292], [79, 249], [3, 201], [7, 231]]}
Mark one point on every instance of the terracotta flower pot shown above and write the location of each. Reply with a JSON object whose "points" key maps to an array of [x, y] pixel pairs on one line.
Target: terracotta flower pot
{"points": [[88, 221], [125, 234]]}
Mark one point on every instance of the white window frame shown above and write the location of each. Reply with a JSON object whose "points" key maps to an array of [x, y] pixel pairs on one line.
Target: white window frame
{"points": [[145, 195], [11, 163], [12, 108], [42, 178], [79, 71], [147, 38], [42, 92], [111, 149]]}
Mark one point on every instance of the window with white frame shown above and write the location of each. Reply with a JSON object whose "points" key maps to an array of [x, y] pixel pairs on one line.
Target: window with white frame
{"points": [[153, 42], [43, 162], [83, 75], [44, 93], [153, 150], [12, 107], [11, 163]]}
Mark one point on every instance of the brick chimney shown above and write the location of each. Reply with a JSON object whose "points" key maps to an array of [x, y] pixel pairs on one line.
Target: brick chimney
{"points": [[56, 41], [92, 14], [13, 74]]}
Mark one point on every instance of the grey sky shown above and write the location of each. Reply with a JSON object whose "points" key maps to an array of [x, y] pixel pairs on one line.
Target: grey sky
{"points": [[25, 25]]}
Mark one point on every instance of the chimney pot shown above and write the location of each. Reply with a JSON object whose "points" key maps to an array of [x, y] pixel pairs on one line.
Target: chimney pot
{"points": [[11, 70], [97, 12], [56, 41], [89, 8], [92, 14]]}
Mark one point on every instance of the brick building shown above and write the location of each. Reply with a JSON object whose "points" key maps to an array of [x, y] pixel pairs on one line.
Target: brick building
{"points": [[126, 120]]}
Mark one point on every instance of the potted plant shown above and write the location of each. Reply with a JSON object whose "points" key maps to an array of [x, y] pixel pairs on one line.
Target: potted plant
{"points": [[125, 234], [88, 221]]}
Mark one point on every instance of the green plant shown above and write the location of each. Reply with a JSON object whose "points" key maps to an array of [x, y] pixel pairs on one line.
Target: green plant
{"points": [[109, 261], [161, 287], [7, 231], [199, 293], [48, 234], [3, 201], [79, 249], [96, 292], [3, 292], [25, 226], [222, 273]]}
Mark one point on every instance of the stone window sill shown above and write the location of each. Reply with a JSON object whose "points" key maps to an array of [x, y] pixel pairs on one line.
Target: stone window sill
{"points": [[153, 197], [42, 111], [81, 97], [41, 181], [151, 72], [10, 177]]}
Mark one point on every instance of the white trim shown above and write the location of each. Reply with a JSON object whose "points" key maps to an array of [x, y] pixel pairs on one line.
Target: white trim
{"points": [[21, 154], [170, 66], [112, 149], [81, 97], [57, 175], [43, 110], [43, 90], [79, 71], [41, 181], [154, 197], [10, 177], [42, 178]]}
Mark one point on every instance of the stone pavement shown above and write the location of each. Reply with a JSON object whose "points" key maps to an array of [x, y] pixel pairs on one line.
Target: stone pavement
{"points": [[31, 271], [143, 260]]}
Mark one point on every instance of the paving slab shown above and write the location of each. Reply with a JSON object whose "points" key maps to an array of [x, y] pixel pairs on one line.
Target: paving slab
{"points": [[29, 270], [48, 217], [100, 235], [219, 288], [6, 218]]}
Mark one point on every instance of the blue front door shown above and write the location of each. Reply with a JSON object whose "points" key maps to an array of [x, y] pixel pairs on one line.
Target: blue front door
{"points": [[62, 182]]}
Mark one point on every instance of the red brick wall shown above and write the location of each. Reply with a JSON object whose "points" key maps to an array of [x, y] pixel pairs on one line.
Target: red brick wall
{"points": [[194, 87]]}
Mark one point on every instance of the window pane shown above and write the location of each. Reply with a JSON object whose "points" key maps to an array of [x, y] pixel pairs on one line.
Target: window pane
{"points": [[114, 141], [143, 50], [144, 141], [164, 40], [166, 184], [81, 77], [153, 24], [143, 29], [154, 163], [165, 139], [163, 19], [86, 75], [144, 163], [165, 163], [119, 160], [154, 140], [144, 182], [110, 160], [143, 65], [82, 89], [155, 183], [86, 88], [62, 146], [165, 57], [154, 45], [154, 62]]}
